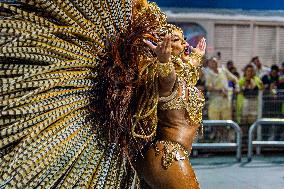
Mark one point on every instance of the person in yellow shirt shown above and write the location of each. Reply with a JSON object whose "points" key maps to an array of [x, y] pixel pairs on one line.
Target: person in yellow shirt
{"points": [[249, 84]]}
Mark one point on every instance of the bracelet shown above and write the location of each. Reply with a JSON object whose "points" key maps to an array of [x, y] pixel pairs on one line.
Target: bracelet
{"points": [[164, 99], [165, 69], [198, 57]]}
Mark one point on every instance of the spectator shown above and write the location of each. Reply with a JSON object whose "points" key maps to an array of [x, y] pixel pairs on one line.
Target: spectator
{"points": [[230, 65], [271, 80], [271, 107], [281, 96], [247, 105], [219, 56], [281, 88], [233, 70], [260, 70], [281, 79], [281, 85], [206, 66], [217, 85], [218, 92], [282, 69]]}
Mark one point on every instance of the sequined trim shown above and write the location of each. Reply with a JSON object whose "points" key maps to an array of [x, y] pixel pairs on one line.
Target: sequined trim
{"points": [[173, 95], [165, 69], [171, 152], [190, 100]]}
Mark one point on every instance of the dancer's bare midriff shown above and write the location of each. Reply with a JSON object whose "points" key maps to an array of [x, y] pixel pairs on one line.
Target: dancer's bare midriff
{"points": [[173, 126]]}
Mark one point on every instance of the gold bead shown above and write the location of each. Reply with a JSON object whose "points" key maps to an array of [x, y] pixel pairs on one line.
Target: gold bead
{"points": [[165, 69]]}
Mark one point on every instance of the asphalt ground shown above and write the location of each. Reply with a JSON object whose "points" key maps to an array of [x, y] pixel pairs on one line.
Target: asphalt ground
{"points": [[224, 172]]}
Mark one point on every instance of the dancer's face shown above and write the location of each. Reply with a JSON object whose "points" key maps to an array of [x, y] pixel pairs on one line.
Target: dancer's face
{"points": [[179, 45]]}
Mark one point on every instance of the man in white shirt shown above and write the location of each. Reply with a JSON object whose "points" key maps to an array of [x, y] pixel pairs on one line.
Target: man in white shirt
{"points": [[219, 93], [260, 70], [217, 79]]}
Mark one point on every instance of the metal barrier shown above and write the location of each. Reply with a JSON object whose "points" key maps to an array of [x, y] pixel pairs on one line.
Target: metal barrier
{"points": [[260, 122], [272, 104], [237, 145]]}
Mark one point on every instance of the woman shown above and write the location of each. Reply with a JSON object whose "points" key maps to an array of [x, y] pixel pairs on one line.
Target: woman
{"points": [[249, 85], [165, 163]]}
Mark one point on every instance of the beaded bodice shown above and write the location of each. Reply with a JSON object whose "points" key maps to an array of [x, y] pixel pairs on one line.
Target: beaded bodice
{"points": [[184, 97]]}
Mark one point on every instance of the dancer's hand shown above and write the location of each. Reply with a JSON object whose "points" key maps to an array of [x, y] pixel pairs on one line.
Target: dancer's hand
{"points": [[200, 50], [201, 47], [163, 50]]}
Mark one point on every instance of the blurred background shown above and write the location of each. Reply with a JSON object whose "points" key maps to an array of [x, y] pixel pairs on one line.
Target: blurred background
{"points": [[242, 145]]}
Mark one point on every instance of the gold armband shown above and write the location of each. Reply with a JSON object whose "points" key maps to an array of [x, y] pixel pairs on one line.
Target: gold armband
{"points": [[165, 69]]}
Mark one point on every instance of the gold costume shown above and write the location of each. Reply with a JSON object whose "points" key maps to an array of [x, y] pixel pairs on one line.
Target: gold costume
{"points": [[184, 96]]}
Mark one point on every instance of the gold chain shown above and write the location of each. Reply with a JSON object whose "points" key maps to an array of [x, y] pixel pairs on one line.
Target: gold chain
{"points": [[169, 155]]}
